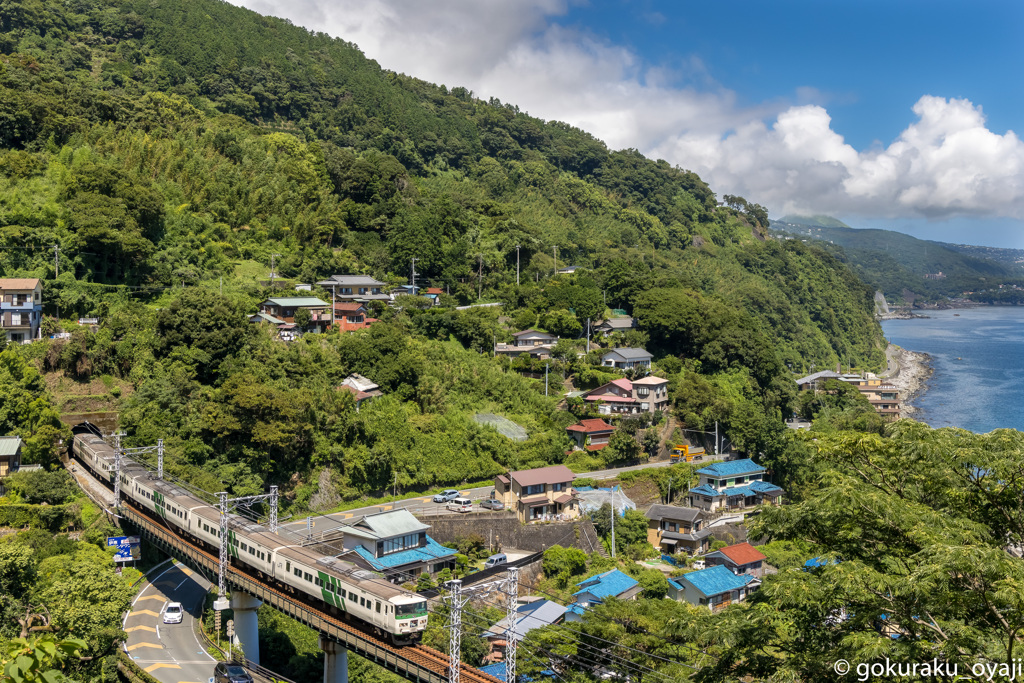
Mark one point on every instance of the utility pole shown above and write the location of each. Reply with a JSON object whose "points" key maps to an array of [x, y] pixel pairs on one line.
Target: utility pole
{"points": [[480, 287], [588, 335], [412, 275], [716, 437], [273, 272], [546, 378], [554, 254], [517, 265], [614, 491], [669, 499], [56, 261]]}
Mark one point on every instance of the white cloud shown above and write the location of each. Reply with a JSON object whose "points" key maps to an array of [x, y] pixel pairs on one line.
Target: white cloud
{"points": [[788, 158]]}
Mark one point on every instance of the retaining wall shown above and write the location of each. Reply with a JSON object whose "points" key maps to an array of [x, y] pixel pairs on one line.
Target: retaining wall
{"points": [[506, 531]]}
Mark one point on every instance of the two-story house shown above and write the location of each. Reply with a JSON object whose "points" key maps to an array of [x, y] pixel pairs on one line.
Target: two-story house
{"points": [[733, 485], [674, 529], [10, 455], [630, 397], [360, 288], [532, 342], [396, 544], [538, 494], [284, 309], [625, 359], [21, 309], [590, 435], [351, 315], [617, 324], [715, 588], [741, 558], [597, 589]]}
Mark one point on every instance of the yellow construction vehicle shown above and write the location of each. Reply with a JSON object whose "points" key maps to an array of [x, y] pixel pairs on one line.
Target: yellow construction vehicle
{"points": [[686, 453]]}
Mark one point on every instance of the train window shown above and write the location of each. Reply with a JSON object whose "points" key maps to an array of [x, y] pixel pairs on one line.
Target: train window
{"points": [[362, 601], [298, 572], [308, 576], [352, 596], [378, 607], [317, 582], [245, 547], [287, 565]]}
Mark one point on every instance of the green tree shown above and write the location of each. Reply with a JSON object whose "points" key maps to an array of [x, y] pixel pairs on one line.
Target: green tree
{"points": [[564, 563]]}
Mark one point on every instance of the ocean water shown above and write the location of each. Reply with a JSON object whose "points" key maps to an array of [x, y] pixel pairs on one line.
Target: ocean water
{"points": [[978, 357]]}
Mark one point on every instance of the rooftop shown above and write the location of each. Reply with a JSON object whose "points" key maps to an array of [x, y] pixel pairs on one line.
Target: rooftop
{"points": [[385, 525], [753, 488], [731, 468], [543, 475], [431, 552], [298, 302], [824, 374], [631, 354], [618, 323], [9, 445], [609, 584], [266, 317], [660, 512], [19, 283], [533, 333], [715, 580], [528, 617], [742, 553], [351, 281], [349, 306], [591, 426]]}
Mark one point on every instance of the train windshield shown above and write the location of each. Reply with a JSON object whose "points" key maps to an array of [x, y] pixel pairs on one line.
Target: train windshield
{"points": [[415, 609]]}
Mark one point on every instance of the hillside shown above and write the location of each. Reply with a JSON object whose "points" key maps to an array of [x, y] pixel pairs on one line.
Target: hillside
{"points": [[907, 268], [172, 151]]}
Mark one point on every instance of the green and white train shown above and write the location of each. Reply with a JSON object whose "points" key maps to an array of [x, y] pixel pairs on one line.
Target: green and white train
{"points": [[337, 586]]}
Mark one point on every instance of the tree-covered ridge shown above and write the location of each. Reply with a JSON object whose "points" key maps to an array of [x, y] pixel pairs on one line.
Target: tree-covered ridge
{"points": [[173, 151]]}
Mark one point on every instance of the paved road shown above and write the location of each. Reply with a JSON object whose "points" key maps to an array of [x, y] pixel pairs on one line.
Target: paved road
{"points": [[172, 653]]}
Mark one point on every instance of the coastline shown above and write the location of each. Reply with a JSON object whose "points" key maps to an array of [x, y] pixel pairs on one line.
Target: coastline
{"points": [[909, 372]]}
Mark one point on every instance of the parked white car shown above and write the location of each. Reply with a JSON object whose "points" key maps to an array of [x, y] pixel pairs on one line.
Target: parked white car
{"points": [[460, 505]]}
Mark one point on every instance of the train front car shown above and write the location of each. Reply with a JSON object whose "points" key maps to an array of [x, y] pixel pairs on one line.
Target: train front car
{"points": [[409, 612], [96, 454]]}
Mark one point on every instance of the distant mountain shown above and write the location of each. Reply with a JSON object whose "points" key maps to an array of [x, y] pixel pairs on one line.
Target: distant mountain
{"points": [[908, 269]]}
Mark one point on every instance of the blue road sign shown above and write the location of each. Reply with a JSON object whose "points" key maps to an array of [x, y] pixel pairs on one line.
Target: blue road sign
{"points": [[127, 547]]}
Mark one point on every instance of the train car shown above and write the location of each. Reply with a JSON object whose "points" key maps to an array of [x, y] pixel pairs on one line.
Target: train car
{"points": [[345, 589]]}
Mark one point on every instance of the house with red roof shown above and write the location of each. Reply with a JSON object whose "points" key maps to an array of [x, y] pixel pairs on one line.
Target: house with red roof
{"points": [[543, 493], [361, 389], [351, 315], [741, 558], [630, 397], [590, 435]]}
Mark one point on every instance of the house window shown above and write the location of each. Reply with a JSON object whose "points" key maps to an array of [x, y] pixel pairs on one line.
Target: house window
{"points": [[558, 487], [533, 490], [394, 545], [643, 392], [15, 318]]}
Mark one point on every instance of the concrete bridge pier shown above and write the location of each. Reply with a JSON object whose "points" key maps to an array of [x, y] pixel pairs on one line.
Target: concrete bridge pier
{"points": [[335, 661], [246, 625]]}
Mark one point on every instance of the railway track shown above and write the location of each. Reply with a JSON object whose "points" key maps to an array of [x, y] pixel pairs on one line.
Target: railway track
{"points": [[419, 656]]}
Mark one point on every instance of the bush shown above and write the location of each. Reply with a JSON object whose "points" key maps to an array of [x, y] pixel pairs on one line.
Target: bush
{"points": [[40, 486]]}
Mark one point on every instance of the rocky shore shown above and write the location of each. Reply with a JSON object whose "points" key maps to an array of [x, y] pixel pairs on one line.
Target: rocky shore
{"points": [[909, 372]]}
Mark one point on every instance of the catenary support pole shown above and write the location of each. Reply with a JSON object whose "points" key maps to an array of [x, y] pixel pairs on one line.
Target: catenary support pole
{"points": [[273, 509], [159, 458], [512, 596], [223, 567], [455, 631]]}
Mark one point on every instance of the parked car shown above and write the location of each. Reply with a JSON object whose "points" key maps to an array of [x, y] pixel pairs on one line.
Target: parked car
{"points": [[460, 505], [495, 560], [173, 613], [230, 673], [492, 504], [446, 495]]}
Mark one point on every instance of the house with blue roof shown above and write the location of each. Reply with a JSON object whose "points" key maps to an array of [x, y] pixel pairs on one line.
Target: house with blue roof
{"points": [[732, 485], [715, 588], [396, 544], [597, 589]]}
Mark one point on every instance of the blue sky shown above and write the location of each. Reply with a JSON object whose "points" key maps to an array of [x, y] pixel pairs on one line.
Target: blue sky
{"points": [[897, 114]]}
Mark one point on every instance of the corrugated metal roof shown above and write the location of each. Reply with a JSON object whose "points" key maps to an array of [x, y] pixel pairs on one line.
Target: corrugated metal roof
{"points": [[299, 301], [660, 512], [609, 584], [528, 617], [543, 475], [389, 524], [9, 445], [631, 354], [715, 580], [731, 468]]}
